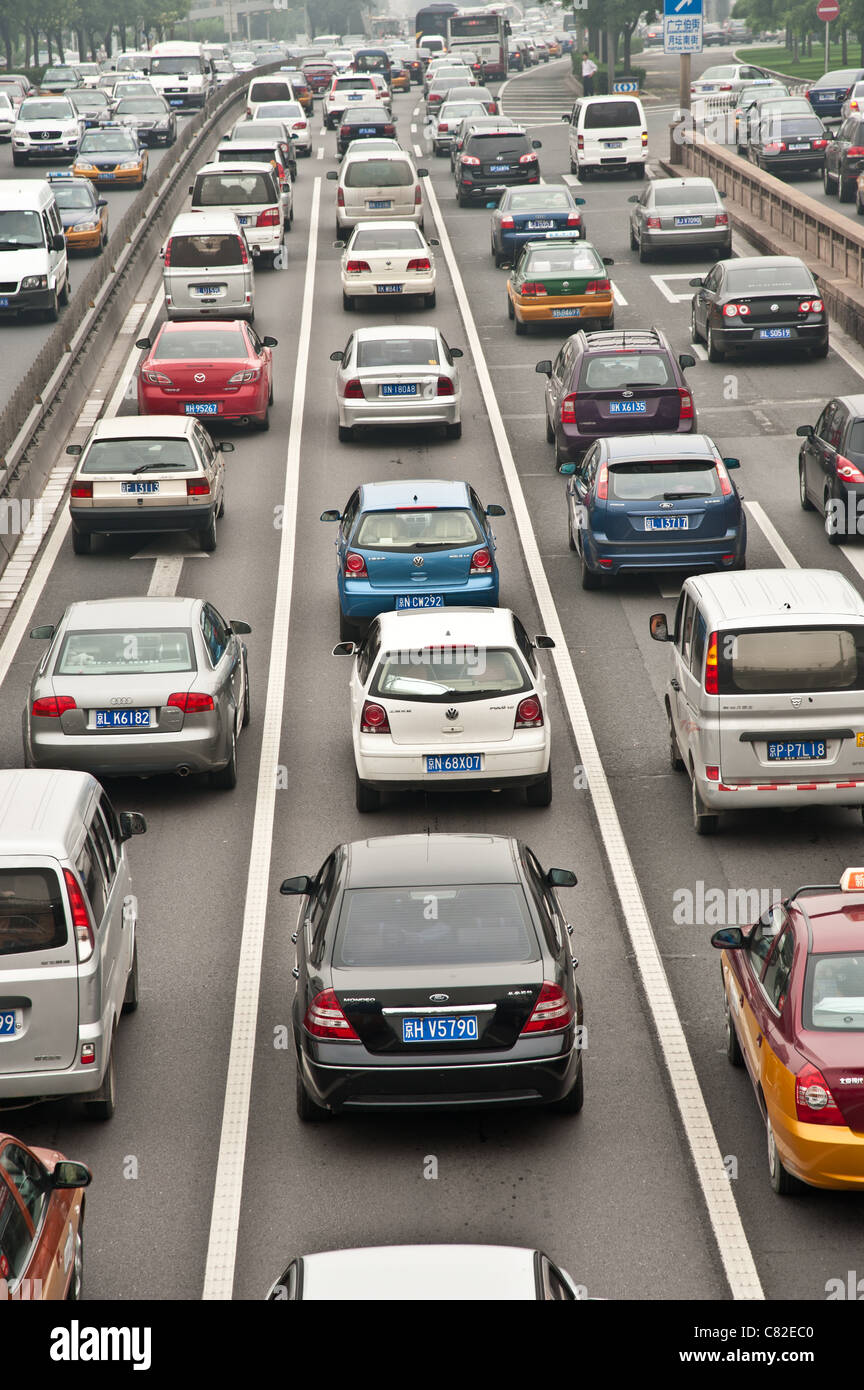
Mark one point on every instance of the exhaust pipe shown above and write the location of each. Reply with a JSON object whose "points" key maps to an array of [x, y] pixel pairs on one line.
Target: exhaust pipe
{"points": [[183, 770], [244, 420]]}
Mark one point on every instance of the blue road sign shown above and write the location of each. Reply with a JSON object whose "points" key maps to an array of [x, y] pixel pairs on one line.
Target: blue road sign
{"points": [[682, 26]]}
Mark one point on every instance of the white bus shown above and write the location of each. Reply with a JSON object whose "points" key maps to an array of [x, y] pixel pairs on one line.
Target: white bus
{"points": [[485, 33]]}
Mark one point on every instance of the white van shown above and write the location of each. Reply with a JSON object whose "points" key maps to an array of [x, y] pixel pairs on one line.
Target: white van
{"points": [[381, 185], [35, 276], [269, 88], [251, 191], [207, 268], [181, 73], [607, 133]]}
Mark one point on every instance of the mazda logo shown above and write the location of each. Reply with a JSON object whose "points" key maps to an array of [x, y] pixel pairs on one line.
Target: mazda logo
{"points": [[438, 998], [199, 376], [418, 562], [451, 713]]}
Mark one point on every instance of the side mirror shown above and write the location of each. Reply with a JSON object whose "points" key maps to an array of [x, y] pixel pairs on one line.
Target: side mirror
{"points": [[686, 360], [580, 202], [433, 241], [239, 626], [422, 173], [804, 430], [336, 356], [635, 198], [132, 823], [697, 282], [331, 515], [566, 116], [495, 509], [339, 245], [456, 352], [67, 1174], [544, 368], [567, 469], [190, 189], [101, 202], [536, 144], [728, 939], [561, 878], [332, 174], [344, 649], [607, 260], [658, 627], [732, 463], [297, 887], [722, 192], [44, 632], [73, 448], [58, 242], [542, 642], [143, 343], [225, 446], [270, 342]]}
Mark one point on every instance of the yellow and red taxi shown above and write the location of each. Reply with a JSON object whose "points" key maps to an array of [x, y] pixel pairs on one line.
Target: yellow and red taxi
{"points": [[84, 216], [111, 154], [560, 277], [794, 1000], [41, 1223], [400, 77]]}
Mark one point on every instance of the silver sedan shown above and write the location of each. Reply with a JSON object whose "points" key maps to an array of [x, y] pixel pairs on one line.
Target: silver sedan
{"points": [[398, 376], [676, 213], [140, 687]]}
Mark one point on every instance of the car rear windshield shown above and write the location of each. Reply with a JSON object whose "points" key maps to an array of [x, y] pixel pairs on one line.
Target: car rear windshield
{"points": [[224, 190], [601, 115], [780, 660], [626, 370], [353, 84], [562, 260], [195, 252], [245, 154], [768, 279], [834, 993], [378, 173], [389, 239], [498, 144], [31, 911], [262, 130], [292, 110], [201, 344], [677, 195], [416, 529], [538, 200], [448, 673], [123, 652], [138, 455], [844, 77], [716, 73], [663, 481], [458, 110], [798, 125], [473, 924], [397, 352], [270, 91]]}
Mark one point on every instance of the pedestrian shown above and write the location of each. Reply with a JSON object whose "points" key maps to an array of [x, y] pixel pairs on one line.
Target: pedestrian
{"points": [[589, 67]]}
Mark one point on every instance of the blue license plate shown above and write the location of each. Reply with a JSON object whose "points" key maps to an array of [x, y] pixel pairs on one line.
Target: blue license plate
{"points": [[667, 523], [398, 388], [627, 408], [105, 174], [388, 289], [8, 1021], [4, 303], [206, 291], [201, 408], [381, 202], [139, 487], [243, 221], [539, 226], [499, 168], [355, 96], [565, 313], [793, 752], [122, 718], [612, 144], [461, 1028], [419, 600], [176, 101], [688, 221], [454, 762], [368, 130], [775, 332]]}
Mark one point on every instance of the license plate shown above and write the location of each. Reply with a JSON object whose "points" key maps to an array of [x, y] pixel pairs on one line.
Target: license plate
{"points": [[4, 303], [201, 408], [792, 752], [176, 101], [499, 168], [576, 232], [612, 144], [462, 1028], [775, 332], [688, 221], [538, 226], [243, 221], [565, 313], [207, 290], [139, 487], [122, 718], [381, 203], [454, 762], [105, 174], [388, 289], [805, 146], [10, 1023], [667, 523], [419, 601], [627, 408], [370, 130], [355, 96], [398, 388]]}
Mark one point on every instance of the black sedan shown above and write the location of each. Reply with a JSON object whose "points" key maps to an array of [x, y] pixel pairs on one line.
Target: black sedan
{"points": [[758, 302], [783, 142], [151, 119], [831, 467], [434, 972], [844, 159], [363, 122]]}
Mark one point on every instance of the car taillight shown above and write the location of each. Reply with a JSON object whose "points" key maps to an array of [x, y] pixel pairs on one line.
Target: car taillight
{"points": [[280, 170], [247, 374], [529, 713], [481, 562], [268, 218], [420, 263], [529, 158], [853, 105], [353, 390], [325, 1019], [507, 223], [724, 480], [721, 219], [568, 410], [355, 566], [492, 108], [532, 287], [552, 1012], [775, 146], [340, 197], [85, 941], [345, 130], [602, 491], [82, 490], [574, 220], [299, 125], [52, 706], [418, 196], [814, 1103], [469, 159], [686, 408], [644, 138], [157, 378], [580, 142], [712, 686], [166, 257], [355, 267], [445, 386], [598, 287], [373, 719], [847, 471], [732, 311], [725, 86], [190, 702], [652, 222], [442, 127], [822, 144], [810, 306], [197, 487]]}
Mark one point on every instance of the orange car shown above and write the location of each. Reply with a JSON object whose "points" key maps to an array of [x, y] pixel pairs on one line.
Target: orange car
{"points": [[794, 1000], [41, 1223]]}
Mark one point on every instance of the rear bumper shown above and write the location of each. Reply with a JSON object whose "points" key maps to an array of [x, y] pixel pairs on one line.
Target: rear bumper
{"points": [[365, 602], [444, 410], [737, 796], [689, 555], [535, 310], [144, 519], [481, 189], [676, 237], [74, 1080], [519, 764], [245, 401], [830, 1156], [509, 243], [573, 444], [806, 159], [134, 755], [366, 289], [801, 335]]}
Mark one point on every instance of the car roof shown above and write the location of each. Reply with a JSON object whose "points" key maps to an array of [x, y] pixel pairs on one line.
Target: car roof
{"points": [[235, 166], [41, 811], [752, 262], [400, 225], [456, 626], [661, 447], [461, 1272], [420, 859], [144, 427], [779, 596], [428, 492], [370, 334], [835, 918], [188, 223], [695, 182], [854, 404], [140, 611]]}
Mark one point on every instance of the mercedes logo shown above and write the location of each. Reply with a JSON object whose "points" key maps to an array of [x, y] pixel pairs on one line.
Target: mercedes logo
{"points": [[417, 561], [199, 376], [438, 998], [451, 713], [774, 308]]}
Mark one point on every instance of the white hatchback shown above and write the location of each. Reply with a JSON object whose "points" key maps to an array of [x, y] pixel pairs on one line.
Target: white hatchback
{"points": [[388, 260], [449, 698], [349, 89]]}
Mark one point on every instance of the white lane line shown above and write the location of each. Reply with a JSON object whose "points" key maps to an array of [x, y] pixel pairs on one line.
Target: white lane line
{"points": [[413, 127], [618, 296], [772, 535], [698, 351], [660, 282], [571, 180], [722, 1209], [119, 392], [320, 152], [228, 1187], [165, 576]]}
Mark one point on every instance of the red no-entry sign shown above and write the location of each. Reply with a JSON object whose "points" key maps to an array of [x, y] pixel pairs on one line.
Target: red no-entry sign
{"points": [[827, 10]]}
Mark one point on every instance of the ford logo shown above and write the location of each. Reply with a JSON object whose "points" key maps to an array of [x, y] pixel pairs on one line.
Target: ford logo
{"points": [[438, 998]]}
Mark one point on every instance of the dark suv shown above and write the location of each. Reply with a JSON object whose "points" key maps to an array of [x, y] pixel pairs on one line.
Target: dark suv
{"points": [[844, 159], [831, 467], [615, 382], [492, 160]]}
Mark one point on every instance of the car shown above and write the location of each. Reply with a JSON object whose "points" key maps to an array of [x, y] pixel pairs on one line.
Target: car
{"points": [[18, 87], [780, 140], [46, 127], [400, 76], [831, 467], [224, 361], [84, 216], [607, 134], [385, 526], [42, 1202], [140, 687], [793, 999], [679, 214], [441, 84], [383, 88], [448, 121], [491, 160], [341, 58], [854, 103], [223, 70], [828, 93], [630, 500], [300, 88], [471, 92], [761, 114], [754, 301], [468, 126], [294, 118], [131, 85], [764, 90], [361, 122], [59, 79], [378, 187], [387, 260], [624, 382], [398, 919], [147, 474], [113, 155], [844, 159], [349, 89], [372, 144], [264, 149], [443, 62], [549, 211], [207, 269], [151, 119], [319, 74], [390, 1273], [726, 78], [7, 114], [251, 191], [395, 377], [560, 279], [92, 104]]}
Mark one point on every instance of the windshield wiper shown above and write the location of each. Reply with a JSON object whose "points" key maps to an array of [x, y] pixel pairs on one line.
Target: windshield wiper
{"points": [[683, 496], [147, 467]]}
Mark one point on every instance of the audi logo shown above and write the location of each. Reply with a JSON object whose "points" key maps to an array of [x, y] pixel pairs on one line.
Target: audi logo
{"points": [[122, 700]]}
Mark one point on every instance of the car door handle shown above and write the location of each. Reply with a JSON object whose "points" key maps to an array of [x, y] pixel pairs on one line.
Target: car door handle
{"points": [[574, 961], [675, 685], [569, 928]]}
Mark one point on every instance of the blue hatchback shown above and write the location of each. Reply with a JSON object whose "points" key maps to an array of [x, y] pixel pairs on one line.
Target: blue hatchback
{"points": [[829, 92], [413, 544], [656, 502], [532, 214]]}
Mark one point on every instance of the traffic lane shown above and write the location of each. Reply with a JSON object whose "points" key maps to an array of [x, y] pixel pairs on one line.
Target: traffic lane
{"points": [[189, 873], [362, 1173]]}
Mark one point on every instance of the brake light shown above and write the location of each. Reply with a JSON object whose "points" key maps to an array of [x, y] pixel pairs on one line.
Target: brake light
{"points": [[442, 127], [598, 287], [731, 311], [532, 287], [551, 1013], [853, 105], [568, 410], [52, 706], [529, 713], [156, 379], [481, 562], [721, 219], [686, 408], [268, 218], [445, 386], [190, 701], [469, 159], [711, 677], [602, 491], [355, 267], [82, 490], [814, 1103], [166, 257], [389, 129], [418, 196], [529, 158], [325, 1019], [492, 108], [644, 138], [197, 487], [340, 197], [420, 263], [244, 254], [810, 306], [822, 144], [653, 222], [775, 146], [725, 86], [847, 471], [725, 481], [247, 374], [299, 125], [353, 390], [574, 220], [355, 566], [373, 719], [345, 130], [85, 941], [580, 142], [507, 223]]}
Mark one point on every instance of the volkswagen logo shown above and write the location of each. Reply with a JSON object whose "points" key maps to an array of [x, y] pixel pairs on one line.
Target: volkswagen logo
{"points": [[451, 713], [566, 284], [438, 998], [199, 376], [417, 562], [774, 308]]}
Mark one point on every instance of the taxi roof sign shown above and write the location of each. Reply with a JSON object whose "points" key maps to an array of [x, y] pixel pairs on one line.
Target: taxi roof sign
{"points": [[852, 880]]}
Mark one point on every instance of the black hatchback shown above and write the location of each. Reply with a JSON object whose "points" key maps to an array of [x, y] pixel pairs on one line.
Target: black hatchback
{"points": [[434, 972], [492, 160], [758, 302]]}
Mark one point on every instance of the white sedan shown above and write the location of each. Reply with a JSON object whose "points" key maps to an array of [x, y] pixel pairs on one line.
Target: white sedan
{"points": [[294, 117], [449, 697], [388, 260], [398, 376]]}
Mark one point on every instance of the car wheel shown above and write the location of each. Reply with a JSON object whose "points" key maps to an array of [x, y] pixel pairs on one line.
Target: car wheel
{"points": [[65, 292], [207, 537], [454, 431], [715, 354], [571, 539], [859, 206], [366, 798], [572, 1103], [461, 202], [82, 542], [510, 310], [540, 793], [226, 777], [821, 350], [694, 331], [644, 253], [587, 578], [704, 822], [247, 699], [52, 313], [270, 393], [676, 762], [264, 422], [574, 167], [806, 504], [18, 159], [550, 433], [496, 258], [520, 328], [845, 189], [347, 301], [638, 171], [429, 300], [634, 244], [782, 1181], [733, 1048], [307, 1109], [101, 1104], [826, 181], [76, 1281], [346, 434]]}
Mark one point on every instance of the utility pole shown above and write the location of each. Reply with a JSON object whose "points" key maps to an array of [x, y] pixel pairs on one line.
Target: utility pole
{"points": [[684, 82]]}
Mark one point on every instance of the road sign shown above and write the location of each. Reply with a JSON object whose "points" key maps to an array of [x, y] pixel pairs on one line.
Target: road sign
{"points": [[682, 26], [827, 10], [631, 86]]}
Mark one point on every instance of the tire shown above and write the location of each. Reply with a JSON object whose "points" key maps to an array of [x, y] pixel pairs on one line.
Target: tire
{"points": [[429, 300], [264, 422], [247, 699], [694, 331], [806, 504], [511, 313], [845, 189], [634, 245], [18, 159], [638, 171], [570, 537], [826, 181], [220, 510], [76, 1281], [520, 328], [130, 998], [781, 1181], [676, 762], [821, 350], [859, 206], [82, 542], [540, 793], [52, 313], [704, 822], [63, 297], [347, 302], [366, 798], [349, 630], [454, 431], [270, 394], [572, 1103], [307, 1109], [226, 777], [346, 434], [587, 578], [734, 1055], [497, 259], [550, 433], [101, 1104], [715, 354], [644, 253], [207, 537]]}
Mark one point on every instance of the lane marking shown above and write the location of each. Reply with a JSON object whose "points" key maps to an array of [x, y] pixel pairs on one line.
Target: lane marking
{"points": [[659, 281], [228, 1186], [722, 1208], [417, 150], [772, 535], [320, 152], [165, 576], [699, 351], [618, 296]]}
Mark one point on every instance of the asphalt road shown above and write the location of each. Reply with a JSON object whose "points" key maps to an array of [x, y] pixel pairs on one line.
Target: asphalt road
{"points": [[611, 1194]]}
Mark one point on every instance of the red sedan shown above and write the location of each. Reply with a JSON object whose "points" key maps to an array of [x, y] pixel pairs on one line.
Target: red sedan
{"points": [[219, 370], [41, 1223]]}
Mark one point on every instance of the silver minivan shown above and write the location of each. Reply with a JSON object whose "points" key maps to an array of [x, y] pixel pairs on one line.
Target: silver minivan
{"points": [[68, 937], [207, 268], [379, 186], [249, 190], [765, 697]]}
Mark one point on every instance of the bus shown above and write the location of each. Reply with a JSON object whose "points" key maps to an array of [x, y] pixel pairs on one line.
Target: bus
{"points": [[433, 20], [485, 33]]}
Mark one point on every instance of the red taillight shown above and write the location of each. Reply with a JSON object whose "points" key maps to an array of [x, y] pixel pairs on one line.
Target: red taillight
{"points": [[686, 408], [574, 220], [602, 491], [344, 130], [389, 129], [531, 288], [442, 127], [652, 222], [644, 138], [325, 1019], [721, 219], [529, 158], [52, 706], [355, 566], [552, 1012], [712, 686], [247, 374], [529, 713], [508, 223], [373, 719], [492, 108], [353, 390], [244, 254], [580, 142], [197, 487], [82, 490], [568, 410], [445, 386], [598, 287], [847, 471], [814, 1103], [156, 379], [481, 562], [775, 146], [268, 218], [190, 702], [299, 125], [84, 938], [166, 258], [725, 481], [420, 263], [340, 197], [355, 267], [853, 152], [822, 144], [418, 196], [469, 159], [811, 306], [732, 311], [712, 773]]}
